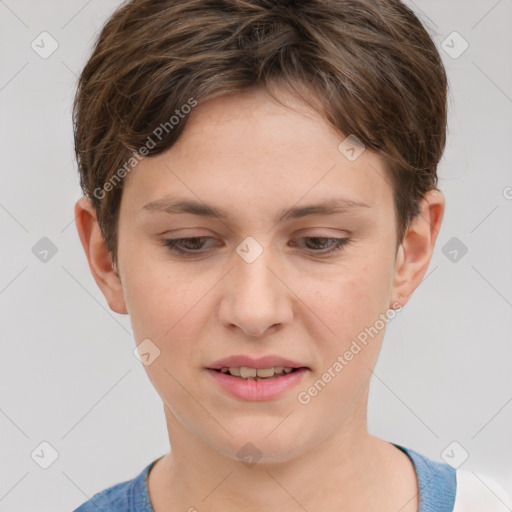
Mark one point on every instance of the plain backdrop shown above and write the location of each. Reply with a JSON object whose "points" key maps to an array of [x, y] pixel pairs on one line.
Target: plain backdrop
{"points": [[68, 375]]}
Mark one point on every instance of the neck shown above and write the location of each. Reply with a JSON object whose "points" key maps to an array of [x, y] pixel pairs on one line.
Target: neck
{"points": [[350, 469]]}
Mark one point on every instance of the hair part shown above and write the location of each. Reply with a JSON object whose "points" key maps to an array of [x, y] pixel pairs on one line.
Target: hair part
{"points": [[371, 67]]}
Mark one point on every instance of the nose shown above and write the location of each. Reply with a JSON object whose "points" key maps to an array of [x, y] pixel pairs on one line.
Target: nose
{"points": [[256, 299]]}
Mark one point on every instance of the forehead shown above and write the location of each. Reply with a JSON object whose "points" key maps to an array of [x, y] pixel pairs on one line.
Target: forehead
{"points": [[246, 149]]}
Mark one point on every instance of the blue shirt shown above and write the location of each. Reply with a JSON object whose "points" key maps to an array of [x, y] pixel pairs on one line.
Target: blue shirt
{"points": [[437, 485]]}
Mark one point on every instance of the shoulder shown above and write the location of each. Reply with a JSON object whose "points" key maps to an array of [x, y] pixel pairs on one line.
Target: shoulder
{"points": [[480, 493], [443, 488], [436, 482], [127, 496]]}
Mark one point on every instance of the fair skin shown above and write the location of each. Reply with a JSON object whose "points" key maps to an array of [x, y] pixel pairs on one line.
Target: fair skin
{"points": [[250, 156]]}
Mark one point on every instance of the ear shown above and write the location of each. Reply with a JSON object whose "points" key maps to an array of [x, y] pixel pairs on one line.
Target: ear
{"points": [[415, 252], [98, 255]]}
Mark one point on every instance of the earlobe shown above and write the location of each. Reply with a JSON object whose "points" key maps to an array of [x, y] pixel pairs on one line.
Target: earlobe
{"points": [[98, 255], [416, 251]]}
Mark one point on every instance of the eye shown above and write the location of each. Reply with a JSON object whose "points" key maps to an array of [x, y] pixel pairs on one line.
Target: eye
{"points": [[336, 244], [192, 245], [174, 244]]}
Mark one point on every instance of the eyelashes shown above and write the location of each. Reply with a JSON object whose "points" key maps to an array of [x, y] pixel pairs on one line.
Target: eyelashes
{"points": [[175, 245]]}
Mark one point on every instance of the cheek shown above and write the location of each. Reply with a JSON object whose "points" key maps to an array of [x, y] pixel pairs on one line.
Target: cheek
{"points": [[351, 304], [160, 305], [166, 311], [353, 297]]}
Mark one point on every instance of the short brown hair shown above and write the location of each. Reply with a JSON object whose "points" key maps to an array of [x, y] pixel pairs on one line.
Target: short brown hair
{"points": [[372, 68]]}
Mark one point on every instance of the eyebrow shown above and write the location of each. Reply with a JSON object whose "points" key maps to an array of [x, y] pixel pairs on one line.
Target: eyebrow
{"points": [[327, 207]]}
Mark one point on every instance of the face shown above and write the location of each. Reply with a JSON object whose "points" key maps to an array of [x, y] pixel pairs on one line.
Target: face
{"points": [[249, 280]]}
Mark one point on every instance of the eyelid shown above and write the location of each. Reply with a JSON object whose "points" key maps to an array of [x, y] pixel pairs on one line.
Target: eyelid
{"points": [[303, 233], [338, 244]]}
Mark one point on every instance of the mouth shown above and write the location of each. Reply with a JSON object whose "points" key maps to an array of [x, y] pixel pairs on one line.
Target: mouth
{"points": [[257, 378], [257, 384], [248, 373]]}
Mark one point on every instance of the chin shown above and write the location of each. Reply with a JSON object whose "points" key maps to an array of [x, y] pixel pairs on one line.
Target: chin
{"points": [[258, 445]]}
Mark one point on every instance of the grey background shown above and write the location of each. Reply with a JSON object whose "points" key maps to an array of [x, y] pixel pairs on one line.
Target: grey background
{"points": [[68, 374]]}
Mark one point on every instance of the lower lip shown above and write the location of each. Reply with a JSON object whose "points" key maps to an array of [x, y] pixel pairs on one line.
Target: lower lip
{"points": [[264, 389]]}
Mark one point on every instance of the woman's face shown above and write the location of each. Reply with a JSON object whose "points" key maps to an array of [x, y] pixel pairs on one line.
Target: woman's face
{"points": [[256, 282]]}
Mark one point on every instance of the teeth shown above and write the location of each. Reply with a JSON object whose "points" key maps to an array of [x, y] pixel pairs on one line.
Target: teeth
{"points": [[265, 372], [252, 373], [245, 373]]}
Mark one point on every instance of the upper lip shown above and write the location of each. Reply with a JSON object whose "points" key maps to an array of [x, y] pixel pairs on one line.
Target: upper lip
{"points": [[269, 361]]}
